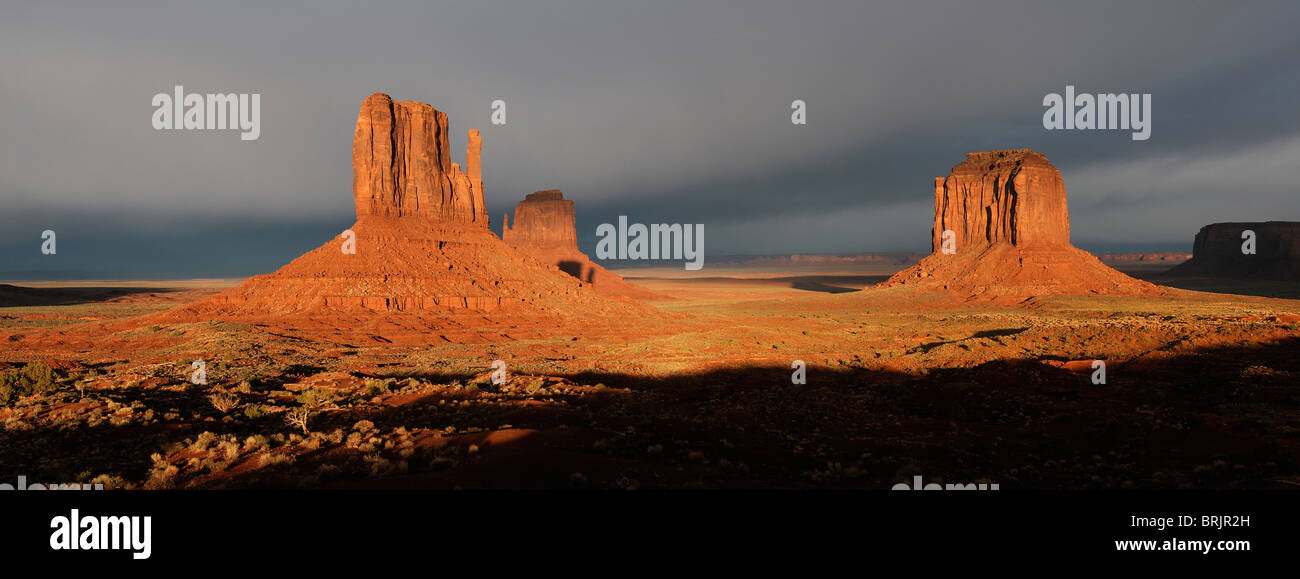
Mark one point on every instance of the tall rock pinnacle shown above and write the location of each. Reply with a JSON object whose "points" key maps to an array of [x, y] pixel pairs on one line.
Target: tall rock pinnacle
{"points": [[474, 166]]}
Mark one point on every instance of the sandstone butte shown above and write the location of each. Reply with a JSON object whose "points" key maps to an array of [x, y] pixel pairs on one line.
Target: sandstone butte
{"points": [[423, 245], [1217, 251], [546, 229], [1011, 228]]}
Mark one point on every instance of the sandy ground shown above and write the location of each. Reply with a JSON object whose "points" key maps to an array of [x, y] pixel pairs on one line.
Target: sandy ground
{"points": [[1201, 390]]}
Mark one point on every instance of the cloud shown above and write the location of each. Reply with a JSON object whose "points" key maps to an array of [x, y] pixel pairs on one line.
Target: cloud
{"points": [[665, 111], [1172, 196]]}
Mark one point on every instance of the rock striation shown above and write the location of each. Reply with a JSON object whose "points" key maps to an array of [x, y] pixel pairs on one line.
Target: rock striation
{"points": [[546, 229], [1217, 251], [1010, 234], [420, 245]]}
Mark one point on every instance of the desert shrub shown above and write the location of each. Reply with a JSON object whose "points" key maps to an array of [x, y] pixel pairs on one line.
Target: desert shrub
{"points": [[275, 460], [363, 426], [1260, 372], [109, 481], [297, 418], [355, 439], [376, 387], [256, 442], [314, 397], [312, 443], [254, 411], [535, 385], [335, 436], [230, 448], [34, 378], [223, 402], [204, 440]]}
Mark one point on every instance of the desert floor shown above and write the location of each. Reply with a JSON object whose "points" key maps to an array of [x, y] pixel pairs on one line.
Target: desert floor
{"points": [[1201, 390]]}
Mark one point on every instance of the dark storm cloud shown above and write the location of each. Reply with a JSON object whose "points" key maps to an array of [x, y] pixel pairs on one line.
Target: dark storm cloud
{"points": [[660, 111]]}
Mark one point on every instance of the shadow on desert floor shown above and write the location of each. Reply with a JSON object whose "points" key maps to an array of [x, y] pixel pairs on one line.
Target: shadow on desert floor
{"points": [[1242, 287], [24, 296], [1218, 418]]}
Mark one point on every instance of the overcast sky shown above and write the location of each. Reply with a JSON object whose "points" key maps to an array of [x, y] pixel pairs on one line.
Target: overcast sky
{"points": [[662, 111]]}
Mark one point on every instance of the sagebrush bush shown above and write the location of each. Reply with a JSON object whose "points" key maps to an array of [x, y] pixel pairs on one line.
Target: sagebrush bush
{"points": [[34, 378], [223, 402], [314, 397]]}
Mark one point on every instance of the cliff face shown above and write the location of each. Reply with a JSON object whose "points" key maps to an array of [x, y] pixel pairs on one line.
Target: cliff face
{"points": [[1007, 210], [401, 165], [1015, 196], [1217, 251]]}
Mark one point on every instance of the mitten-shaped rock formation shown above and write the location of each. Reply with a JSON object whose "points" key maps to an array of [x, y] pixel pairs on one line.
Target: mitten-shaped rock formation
{"points": [[420, 244], [1003, 217], [401, 165], [1220, 251], [545, 228]]}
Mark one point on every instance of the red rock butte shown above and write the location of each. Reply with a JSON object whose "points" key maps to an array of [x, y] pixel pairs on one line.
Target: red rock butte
{"points": [[546, 229], [422, 243], [1010, 229]]}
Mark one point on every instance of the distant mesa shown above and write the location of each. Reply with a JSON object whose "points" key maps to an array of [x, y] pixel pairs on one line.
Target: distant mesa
{"points": [[1218, 252], [1149, 258], [546, 229], [1010, 234], [422, 242]]}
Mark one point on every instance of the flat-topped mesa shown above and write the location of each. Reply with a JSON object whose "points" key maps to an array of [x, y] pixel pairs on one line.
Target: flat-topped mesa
{"points": [[543, 221], [401, 165], [1218, 251], [1014, 195]]}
